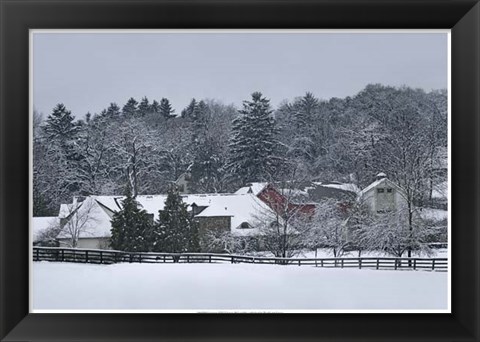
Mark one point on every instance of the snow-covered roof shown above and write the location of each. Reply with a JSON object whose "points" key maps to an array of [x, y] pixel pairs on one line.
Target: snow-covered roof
{"points": [[90, 219], [67, 209], [377, 183], [240, 207], [252, 188], [341, 186], [41, 224]]}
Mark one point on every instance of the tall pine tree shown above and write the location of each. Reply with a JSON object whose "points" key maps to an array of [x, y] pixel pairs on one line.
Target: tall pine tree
{"points": [[187, 113], [254, 148], [130, 109], [131, 226], [143, 107], [155, 107], [113, 111], [166, 109], [175, 232], [59, 125]]}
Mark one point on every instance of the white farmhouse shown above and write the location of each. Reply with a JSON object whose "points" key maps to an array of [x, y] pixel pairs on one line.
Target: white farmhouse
{"points": [[87, 221], [85, 224]]}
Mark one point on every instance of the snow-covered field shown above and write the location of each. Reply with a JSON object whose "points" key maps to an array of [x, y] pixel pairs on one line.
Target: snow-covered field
{"points": [[200, 287]]}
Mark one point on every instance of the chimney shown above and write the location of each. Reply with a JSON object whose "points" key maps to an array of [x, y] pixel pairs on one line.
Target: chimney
{"points": [[381, 175]]}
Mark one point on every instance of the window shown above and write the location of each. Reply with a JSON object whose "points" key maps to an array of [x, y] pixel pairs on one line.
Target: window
{"points": [[390, 190], [380, 191], [244, 225]]}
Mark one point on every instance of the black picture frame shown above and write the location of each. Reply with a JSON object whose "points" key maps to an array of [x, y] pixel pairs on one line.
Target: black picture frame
{"points": [[18, 16]]}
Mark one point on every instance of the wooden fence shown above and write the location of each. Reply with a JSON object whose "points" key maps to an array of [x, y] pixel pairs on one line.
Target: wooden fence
{"points": [[96, 256]]}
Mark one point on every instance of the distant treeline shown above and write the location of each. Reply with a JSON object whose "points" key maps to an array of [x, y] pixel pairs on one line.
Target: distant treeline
{"points": [[399, 131]]}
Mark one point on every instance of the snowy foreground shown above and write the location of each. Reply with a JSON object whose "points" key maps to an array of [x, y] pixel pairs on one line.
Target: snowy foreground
{"points": [[200, 287]]}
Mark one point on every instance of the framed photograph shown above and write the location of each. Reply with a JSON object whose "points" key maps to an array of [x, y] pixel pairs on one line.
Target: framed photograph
{"points": [[178, 170]]}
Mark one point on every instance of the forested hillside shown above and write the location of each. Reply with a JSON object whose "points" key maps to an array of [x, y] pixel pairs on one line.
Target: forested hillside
{"points": [[399, 131]]}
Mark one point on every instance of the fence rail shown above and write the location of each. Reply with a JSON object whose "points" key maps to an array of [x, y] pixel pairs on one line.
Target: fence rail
{"points": [[96, 256]]}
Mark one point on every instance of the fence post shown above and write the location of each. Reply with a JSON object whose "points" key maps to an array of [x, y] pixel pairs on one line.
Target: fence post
{"points": [[298, 262], [360, 263], [342, 263], [433, 264], [188, 259], [396, 263], [321, 262], [209, 259], [232, 259], [63, 255], [86, 256], [414, 264]]}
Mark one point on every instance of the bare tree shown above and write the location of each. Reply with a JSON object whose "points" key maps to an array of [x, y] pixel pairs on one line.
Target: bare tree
{"points": [[284, 228], [79, 221], [329, 228], [225, 241], [390, 233]]}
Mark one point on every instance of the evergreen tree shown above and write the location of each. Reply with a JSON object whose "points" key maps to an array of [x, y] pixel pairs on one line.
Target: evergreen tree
{"points": [[175, 231], [131, 226], [166, 110], [113, 111], [143, 107], [253, 147], [59, 125], [188, 112], [306, 110], [41, 204], [130, 109], [155, 107]]}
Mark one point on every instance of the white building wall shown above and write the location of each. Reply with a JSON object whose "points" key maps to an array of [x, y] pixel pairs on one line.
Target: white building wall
{"points": [[89, 243], [370, 197]]}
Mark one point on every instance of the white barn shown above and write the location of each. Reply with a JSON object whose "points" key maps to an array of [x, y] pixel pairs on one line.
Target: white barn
{"points": [[383, 195]]}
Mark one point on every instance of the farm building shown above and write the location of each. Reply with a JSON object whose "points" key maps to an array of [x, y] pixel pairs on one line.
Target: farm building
{"points": [[383, 195], [86, 221]]}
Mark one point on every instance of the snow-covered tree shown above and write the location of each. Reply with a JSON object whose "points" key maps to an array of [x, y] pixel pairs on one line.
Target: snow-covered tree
{"points": [[175, 231], [130, 109], [113, 111], [144, 107], [59, 125], [390, 233], [329, 228], [285, 226], [131, 226], [154, 107], [225, 242], [37, 121], [79, 218], [165, 109], [189, 111], [253, 147]]}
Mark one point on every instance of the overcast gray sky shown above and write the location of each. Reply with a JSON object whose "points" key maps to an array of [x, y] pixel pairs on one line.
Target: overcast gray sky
{"points": [[87, 71]]}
